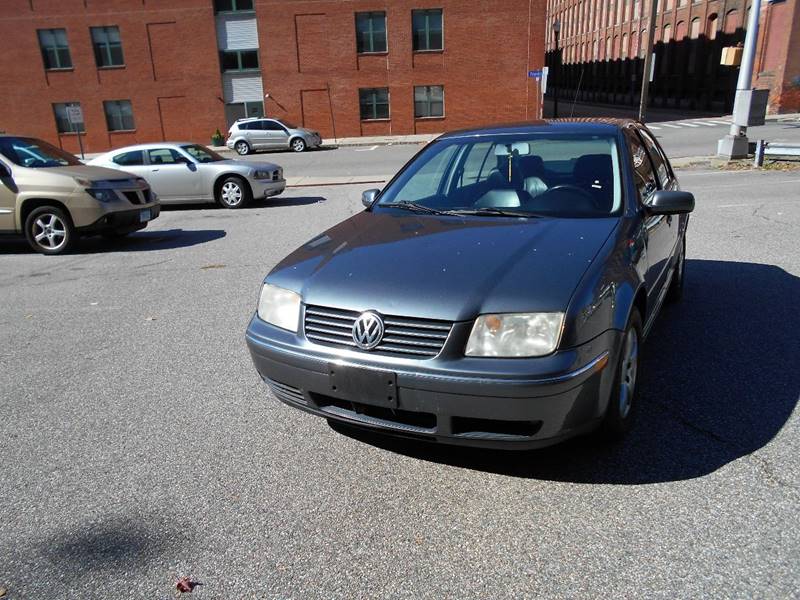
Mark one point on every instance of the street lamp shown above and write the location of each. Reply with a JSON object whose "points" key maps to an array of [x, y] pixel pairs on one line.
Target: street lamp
{"points": [[556, 31]]}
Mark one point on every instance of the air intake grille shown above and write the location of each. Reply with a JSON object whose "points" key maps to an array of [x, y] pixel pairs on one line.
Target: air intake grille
{"points": [[404, 336]]}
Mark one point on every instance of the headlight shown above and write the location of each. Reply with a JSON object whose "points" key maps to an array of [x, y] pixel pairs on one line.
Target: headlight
{"points": [[262, 174], [515, 335], [279, 307], [102, 194]]}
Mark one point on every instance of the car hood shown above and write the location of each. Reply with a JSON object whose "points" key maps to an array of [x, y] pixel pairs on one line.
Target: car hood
{"points": [[245, 164], [449, 268], [90, 172]]}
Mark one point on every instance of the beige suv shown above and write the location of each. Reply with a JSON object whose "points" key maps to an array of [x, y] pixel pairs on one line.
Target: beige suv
{"points": [[52, 198]]}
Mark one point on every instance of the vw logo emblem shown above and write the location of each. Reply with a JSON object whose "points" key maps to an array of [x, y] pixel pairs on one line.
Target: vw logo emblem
{"points": [[368, 330]]}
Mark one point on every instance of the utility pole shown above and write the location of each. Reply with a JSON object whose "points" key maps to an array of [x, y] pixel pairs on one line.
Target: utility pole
{"points": [[648, 59], [556, 31], [735, 144]]}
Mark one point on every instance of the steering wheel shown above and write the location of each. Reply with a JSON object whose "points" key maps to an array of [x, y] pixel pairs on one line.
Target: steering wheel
{"points": [[573, 189]]}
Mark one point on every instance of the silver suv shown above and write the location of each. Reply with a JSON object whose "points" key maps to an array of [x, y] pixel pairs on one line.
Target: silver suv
{"points": [[247, 135]]}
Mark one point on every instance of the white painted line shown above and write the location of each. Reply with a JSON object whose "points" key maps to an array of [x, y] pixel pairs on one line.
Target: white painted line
{"points": [[367, 149], [653, 127], [689, 125], [721, 122], [671, 126], [704, 123]]}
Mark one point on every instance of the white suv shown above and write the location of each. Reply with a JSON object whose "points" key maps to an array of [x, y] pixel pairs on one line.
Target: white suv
{"points": [[247, 135]]}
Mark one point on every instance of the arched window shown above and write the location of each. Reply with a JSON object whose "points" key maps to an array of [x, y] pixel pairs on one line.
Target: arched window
{"points": [[694, 30], [643, 41], [616, 47], [667, 33], [608, 48], [711, 26], [680, 31], [595, 50], [624, 50], [731, 23], [634, 45]]}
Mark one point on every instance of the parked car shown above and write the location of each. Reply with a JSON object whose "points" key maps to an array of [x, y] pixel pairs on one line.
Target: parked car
{"points": [[185, 172], [247, 135], [50, 197], [495, 293]]}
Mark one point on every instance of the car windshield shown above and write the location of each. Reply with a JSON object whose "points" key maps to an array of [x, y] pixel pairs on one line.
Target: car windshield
{"points": [[35, 154], [519, 175], [202, 154]]}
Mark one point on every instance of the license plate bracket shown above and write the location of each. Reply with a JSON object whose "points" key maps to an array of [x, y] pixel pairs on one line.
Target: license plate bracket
{"points": [[366, 386]]}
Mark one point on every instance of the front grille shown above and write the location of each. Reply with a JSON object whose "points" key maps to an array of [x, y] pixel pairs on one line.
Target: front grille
{"points": [[404, 336], [133, 197]]}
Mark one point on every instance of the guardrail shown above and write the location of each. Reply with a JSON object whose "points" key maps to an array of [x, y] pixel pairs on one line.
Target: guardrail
{"points": [[774, 149]]}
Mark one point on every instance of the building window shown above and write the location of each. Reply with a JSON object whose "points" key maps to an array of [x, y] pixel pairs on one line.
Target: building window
{"points": [[55, 49], [62, 121], [428, 101], [233, 5], [374, 103], [427, 30], [107, 47], [119, 115], [239, 60], [371, 32]]}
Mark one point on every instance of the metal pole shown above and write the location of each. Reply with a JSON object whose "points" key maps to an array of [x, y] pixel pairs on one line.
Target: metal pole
{"points": [[555, 77], [648, 58], [735, 144]]}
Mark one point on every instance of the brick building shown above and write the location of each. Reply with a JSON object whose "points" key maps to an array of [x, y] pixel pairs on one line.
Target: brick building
{"points": [[147, 70], [603, 42]]}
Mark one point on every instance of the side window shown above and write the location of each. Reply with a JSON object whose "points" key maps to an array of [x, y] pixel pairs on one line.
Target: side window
{"points": [[130, 159], [644, 175], [477, 164], [273, 126], [659, 160], [163, 156]]}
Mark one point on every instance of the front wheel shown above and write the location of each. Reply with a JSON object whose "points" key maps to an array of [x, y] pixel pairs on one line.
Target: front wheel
{"points": [[298, 145], [623, 404], [242, 148], [233, 193], [49, 230]]}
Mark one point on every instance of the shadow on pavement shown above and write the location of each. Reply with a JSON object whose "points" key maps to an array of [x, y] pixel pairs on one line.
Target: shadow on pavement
{"points": [[140, 241], [719, 381]]}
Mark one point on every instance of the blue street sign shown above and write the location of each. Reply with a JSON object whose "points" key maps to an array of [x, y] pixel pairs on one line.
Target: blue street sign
{"points": [[535, 74]]}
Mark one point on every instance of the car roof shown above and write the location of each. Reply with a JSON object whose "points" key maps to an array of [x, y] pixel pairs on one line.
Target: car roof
{"points": [[588, 125], [149, 146]]}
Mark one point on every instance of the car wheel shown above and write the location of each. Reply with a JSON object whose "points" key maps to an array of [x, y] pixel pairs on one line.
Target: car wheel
{"points": [[233, 193], [242, 148], [298, 145], [623, 404], [49, 230], [675, 292]]}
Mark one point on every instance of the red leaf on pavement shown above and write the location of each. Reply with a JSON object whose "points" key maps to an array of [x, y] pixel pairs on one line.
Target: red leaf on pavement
{"points": [[185, 585]]}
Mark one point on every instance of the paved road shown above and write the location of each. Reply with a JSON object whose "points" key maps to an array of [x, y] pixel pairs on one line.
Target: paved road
{"points": [[137, 443], [684, 138]]}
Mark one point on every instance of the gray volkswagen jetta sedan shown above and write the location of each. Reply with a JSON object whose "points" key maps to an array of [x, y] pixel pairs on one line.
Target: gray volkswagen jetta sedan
{"points": [[495, 293]]}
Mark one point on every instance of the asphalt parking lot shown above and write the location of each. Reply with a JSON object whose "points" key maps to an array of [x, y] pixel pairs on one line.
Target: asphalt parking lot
{"points": [[138, 444]]}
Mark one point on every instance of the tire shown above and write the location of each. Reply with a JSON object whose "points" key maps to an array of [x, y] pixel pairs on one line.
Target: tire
{"points": [[297, 145], [242, 148], [675, 292], [49, 230], [233, 192], [623, 403]]}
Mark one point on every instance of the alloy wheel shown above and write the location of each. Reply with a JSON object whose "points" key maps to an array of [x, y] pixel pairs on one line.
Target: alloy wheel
{"points": [[49, 231], [298, 145], [231, 194], [242, 148]]}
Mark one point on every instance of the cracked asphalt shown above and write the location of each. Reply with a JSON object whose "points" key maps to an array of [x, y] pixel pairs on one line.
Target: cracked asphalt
{"points": [[137, 444]]}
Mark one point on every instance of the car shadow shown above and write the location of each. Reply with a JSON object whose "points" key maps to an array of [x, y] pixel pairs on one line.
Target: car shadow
{"points": [[273, 202], [719, 381], [140, 241]]}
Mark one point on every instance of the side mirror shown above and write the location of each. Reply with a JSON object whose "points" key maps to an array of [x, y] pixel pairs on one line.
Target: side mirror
{"points": [[368, 197], [669, 202]]}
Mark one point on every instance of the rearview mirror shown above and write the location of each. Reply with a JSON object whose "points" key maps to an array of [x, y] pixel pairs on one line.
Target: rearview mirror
{"points": [[670, 202], [368, 197], [517, 149]]}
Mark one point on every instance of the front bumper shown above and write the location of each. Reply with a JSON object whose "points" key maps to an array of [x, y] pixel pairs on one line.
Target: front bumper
{"points": [[127, 220], [266, 188], [499, 403]]}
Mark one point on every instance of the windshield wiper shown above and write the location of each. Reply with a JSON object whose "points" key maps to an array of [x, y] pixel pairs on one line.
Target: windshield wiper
{"points": [[494, 210], [415, 207]]}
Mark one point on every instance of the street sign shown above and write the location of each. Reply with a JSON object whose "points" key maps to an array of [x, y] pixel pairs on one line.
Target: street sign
{"points": [[74, 114], [652, 67], [535, 74]]}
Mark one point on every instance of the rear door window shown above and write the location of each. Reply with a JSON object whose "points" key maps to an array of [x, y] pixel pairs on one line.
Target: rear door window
{"points": [[129, 159]]}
